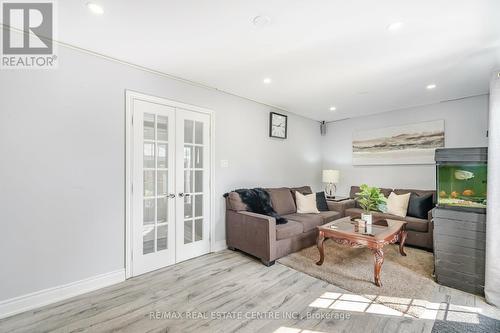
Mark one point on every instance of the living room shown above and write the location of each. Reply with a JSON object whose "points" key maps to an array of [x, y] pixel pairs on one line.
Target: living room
{"points": [[128, 141]]}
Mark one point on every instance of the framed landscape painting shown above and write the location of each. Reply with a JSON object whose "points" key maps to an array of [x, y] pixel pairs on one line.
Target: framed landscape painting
{"points": [[405, 144]]}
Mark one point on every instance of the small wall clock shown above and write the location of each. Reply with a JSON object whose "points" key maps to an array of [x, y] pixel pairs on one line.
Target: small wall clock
{"points": [[278, 125]]}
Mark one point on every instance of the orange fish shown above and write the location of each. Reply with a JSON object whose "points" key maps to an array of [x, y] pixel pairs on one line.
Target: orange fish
{"points": [[454, 194], [442, 194], [468, 193]]}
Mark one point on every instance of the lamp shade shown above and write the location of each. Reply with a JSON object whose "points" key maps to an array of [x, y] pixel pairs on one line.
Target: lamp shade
{"points": [[331, 176]]}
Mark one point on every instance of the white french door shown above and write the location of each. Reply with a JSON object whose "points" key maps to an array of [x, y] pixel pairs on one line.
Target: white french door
{"points": [[170, 180], [192, 160]]}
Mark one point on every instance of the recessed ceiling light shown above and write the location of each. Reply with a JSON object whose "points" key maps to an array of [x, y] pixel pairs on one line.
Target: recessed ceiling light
{"points": [[261, 21], [95, 8], [431, 86], [333, 108], [395, 26], [267, 80]]}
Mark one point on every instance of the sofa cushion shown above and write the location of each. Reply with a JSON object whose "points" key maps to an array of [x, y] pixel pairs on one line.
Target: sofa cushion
{"points": [[416, 224], [235, 202], [308, 221], [282, 200], [398, 204], [321, 202], [417, 192], [288, 230], [306, 203], [420, 206], [413, 223], [329, 216], [302, 189]]}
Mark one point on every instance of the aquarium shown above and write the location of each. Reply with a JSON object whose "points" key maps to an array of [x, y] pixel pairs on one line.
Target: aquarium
{"points": [[461, 175], [462, 185]]}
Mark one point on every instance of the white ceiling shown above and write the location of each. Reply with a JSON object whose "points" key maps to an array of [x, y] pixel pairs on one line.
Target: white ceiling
{"points": [[318, 53]]}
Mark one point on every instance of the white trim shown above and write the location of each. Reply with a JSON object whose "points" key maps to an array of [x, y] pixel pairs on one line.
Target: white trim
{"points": [[218, 246], [130, 96], [47, 296], [212, 183], [129, 153], [165, 101]]}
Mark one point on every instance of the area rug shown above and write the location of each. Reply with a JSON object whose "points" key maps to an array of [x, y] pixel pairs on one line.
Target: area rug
{"points": [[407, 283]]}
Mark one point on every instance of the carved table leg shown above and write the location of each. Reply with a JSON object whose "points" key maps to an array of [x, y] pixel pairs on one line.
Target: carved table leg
{"points": [[402, 239], [379, 260], [321, 239]]}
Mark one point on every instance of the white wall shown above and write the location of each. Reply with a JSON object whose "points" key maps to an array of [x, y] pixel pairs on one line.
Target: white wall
{"points": [[62, 142], [465, 126]]}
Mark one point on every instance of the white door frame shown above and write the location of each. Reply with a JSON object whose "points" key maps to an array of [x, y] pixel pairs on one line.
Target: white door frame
{"points": [[130, 96]]}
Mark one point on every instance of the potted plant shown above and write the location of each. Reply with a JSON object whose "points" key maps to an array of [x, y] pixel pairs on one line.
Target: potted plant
{"points": [[369, 198]]}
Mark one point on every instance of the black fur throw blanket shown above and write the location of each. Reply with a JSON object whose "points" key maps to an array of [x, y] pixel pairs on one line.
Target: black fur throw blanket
{"points": [[259, 201]]}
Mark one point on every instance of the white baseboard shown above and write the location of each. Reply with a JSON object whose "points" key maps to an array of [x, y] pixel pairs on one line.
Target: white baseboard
{"points": [[43, 297], [219, 246]]}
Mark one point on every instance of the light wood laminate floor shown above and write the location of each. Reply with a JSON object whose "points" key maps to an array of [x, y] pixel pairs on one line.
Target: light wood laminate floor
{"points": [[227, 284]]}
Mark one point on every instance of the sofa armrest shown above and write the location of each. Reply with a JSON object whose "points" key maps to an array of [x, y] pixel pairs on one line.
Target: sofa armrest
{"points": [[252, 233], [341, 206]]}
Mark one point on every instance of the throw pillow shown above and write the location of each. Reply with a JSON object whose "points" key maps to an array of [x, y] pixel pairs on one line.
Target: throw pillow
{"points": [[321, 202], [420, 206], [302, 189], [382, 207], [306, 203], [398, 204]]}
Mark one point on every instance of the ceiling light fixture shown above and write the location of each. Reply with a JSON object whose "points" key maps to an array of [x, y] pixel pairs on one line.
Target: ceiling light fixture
{"points": [[395, 26], [267, 80], [261, 21], [333, 108], [431, 86], [95, 8]]}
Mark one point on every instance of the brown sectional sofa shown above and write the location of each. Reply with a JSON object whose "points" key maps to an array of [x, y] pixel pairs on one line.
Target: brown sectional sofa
{"points": [[260, 236], [419, 230]]}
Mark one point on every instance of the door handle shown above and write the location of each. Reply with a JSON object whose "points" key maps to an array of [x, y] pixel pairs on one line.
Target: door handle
{"points": [[184, 195]]}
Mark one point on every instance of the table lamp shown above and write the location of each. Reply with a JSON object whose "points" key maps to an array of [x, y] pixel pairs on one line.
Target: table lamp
{"points": [[331, 178]]}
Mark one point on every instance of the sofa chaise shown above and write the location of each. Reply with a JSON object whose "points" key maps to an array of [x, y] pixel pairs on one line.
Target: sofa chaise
{"points": [[260, 236]]}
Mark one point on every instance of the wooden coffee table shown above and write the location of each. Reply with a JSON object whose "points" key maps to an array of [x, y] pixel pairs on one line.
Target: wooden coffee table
{"points": [[355, 234]]}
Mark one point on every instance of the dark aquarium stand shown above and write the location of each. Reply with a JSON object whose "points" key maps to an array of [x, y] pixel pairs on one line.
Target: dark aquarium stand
{"points": [[460, 218]]}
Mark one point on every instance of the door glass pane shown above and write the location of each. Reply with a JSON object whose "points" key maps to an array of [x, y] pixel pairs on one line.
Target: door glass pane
{"points": [[149, 126], [188, 131], [198, 205], [198, 157], [162, 128], [198, 137], [149, 211], [188, 207], [162, 155], [149, 183], [162, 237], [161, 187], [188, 231], [162, 213], [188, 181], [188, 156], [198, 181], [149, 155], [148, 239], [198, 229]]}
